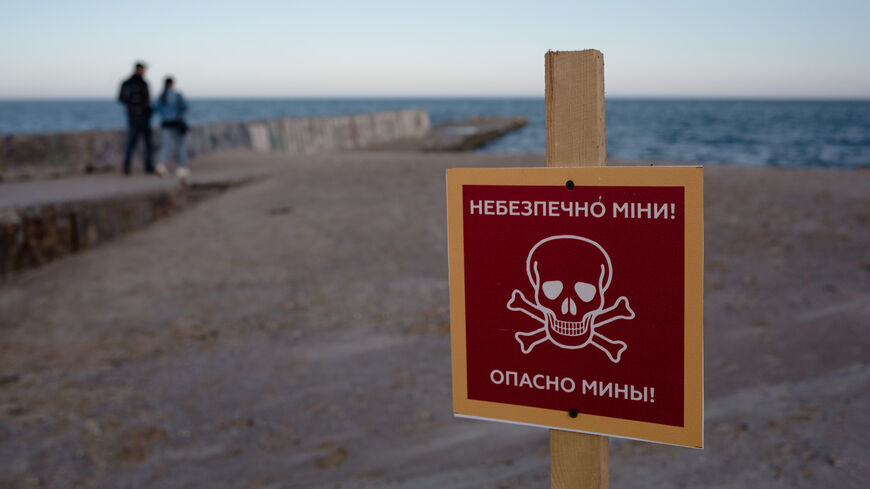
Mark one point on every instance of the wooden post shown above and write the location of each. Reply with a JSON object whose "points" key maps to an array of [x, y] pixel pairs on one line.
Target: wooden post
{"points": [[576, 137], [574, 98]]}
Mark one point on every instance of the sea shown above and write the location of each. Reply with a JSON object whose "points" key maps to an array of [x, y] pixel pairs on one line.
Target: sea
{"points": [[781, 133]]}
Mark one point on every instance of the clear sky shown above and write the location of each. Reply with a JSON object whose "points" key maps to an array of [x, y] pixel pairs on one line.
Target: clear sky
{"points": [[60, 49]]}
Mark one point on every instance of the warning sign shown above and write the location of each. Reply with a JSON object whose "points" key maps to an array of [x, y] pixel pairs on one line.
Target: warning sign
{"points": [[576, 298]]}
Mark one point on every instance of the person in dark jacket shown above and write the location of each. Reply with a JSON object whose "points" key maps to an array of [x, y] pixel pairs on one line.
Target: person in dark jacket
{"points": [[134, 95]]}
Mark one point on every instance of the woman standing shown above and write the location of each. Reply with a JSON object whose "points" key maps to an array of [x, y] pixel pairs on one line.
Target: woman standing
{"points": [[171, 107]]}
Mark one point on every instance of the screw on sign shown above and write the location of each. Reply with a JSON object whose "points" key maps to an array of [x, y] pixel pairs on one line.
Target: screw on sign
{"points": [[569, 275]]}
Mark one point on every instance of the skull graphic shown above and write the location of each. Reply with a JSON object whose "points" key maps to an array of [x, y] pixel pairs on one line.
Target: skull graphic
{"points": [[570, 275]]}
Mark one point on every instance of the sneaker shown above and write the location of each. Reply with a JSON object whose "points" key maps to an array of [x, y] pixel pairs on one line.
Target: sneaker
{"points": [[182, 172], [161, 169]]}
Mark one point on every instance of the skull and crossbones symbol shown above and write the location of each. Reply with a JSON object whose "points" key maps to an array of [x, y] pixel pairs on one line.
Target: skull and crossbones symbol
{"points": [[570, 275]]}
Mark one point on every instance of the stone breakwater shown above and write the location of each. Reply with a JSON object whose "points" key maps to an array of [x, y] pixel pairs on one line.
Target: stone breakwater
{"points": [[61, 154]]}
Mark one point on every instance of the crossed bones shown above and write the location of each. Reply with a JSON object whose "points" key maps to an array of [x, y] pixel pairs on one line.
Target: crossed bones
{"points": [[528, 340]]}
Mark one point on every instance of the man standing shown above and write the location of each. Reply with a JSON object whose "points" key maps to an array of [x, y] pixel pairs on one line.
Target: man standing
{"points": [[134, 94]]}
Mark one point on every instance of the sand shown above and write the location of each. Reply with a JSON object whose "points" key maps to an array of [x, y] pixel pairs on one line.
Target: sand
{"points": [[294, 333]]}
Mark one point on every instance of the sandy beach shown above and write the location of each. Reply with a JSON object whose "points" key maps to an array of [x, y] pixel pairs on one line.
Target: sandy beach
{"points": [[294, 332]]}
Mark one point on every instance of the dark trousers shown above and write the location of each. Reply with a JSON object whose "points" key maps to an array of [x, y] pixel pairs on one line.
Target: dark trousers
{"points": [[139, 126]]}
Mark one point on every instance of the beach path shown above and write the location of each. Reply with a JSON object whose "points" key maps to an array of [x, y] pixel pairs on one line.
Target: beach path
{"points": [[293, 332]]}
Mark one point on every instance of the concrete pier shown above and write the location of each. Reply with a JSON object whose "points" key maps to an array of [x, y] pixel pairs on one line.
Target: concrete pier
{"points": [[42, 220]]}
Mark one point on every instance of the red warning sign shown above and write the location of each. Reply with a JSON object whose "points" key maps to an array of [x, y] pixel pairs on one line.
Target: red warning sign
{"points": [[576, 298]]}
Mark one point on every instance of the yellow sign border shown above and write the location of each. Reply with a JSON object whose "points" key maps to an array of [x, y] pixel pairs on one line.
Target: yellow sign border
{"points": [[691, 178]]}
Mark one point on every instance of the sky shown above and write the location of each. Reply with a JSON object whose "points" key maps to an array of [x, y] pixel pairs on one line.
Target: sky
{"points": [[781, 49]]}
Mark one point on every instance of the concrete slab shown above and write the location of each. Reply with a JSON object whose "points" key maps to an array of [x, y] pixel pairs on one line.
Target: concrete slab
{"points": [[43, 220]]}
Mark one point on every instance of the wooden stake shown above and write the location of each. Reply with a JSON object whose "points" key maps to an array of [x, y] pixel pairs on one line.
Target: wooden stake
{"points": [[576, 136], [575, 108], [578, 460]]}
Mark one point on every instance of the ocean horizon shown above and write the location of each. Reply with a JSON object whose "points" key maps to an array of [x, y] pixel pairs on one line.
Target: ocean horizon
{"points": [[828, 133]]}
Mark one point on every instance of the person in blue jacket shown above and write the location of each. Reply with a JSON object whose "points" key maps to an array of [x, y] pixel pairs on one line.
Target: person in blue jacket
{"points": [[171, 106]]}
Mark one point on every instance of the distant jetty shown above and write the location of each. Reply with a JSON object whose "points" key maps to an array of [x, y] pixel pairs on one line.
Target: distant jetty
{"points": [[462, 135]]}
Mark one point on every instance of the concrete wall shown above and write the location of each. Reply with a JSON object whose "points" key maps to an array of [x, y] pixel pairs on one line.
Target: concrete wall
{"points": [[32, 236], [41, 155]]}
